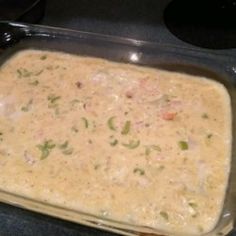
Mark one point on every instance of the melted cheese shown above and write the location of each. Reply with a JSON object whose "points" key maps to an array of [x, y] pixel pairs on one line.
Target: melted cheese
{"points": [[132, 144]]}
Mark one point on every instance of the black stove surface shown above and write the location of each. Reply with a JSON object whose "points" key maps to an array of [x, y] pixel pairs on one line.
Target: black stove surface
{"points": [[183, 22]]}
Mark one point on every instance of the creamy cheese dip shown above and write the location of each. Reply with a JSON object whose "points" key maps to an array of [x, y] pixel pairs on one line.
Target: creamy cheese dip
{"points": [[133, 144]]}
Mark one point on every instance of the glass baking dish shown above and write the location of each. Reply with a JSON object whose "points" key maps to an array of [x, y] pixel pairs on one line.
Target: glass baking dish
{"points": [[213, 64]]}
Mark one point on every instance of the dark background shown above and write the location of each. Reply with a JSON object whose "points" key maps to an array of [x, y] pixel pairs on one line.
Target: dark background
{"points": [[208, 24]]}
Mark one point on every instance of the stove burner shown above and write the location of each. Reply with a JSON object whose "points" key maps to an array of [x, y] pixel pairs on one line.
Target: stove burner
{"points": [[204, 23]]}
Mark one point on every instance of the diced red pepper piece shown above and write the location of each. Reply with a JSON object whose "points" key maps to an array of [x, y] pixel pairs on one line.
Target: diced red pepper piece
{"points": [[168, 115]]}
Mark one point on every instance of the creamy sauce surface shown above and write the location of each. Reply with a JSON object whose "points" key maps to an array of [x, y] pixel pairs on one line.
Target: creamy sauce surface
{"points": [[134, 144]]}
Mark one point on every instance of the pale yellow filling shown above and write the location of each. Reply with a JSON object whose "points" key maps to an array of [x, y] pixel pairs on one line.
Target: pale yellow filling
{"points": [[138, 145]]}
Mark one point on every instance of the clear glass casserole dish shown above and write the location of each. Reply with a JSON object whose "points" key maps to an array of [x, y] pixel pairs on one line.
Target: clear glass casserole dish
{"points": [[16, 37]]}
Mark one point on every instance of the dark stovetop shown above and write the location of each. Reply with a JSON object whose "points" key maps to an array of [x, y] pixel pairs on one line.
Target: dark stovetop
{"points": [[134, 19]]}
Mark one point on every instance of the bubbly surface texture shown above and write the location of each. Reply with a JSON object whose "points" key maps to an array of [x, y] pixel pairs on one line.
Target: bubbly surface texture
{"points": [[144, 146]]}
